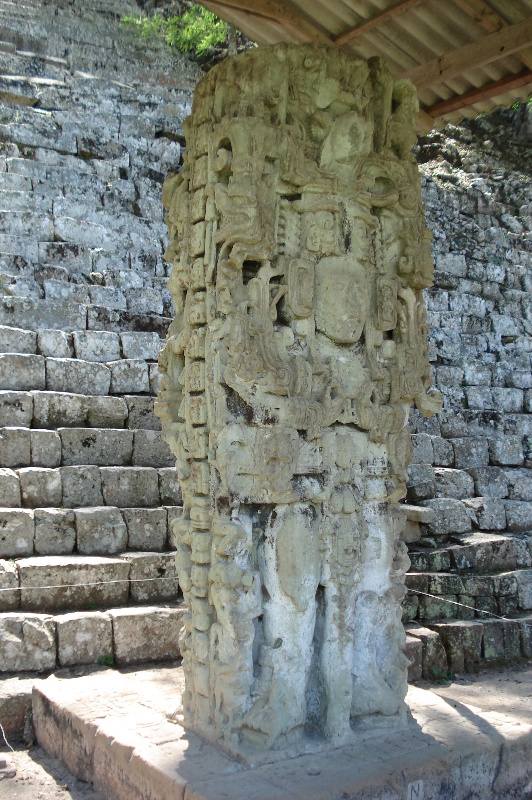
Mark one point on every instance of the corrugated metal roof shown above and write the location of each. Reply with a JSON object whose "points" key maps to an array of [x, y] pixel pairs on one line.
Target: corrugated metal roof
{"points": [[466, 57]]}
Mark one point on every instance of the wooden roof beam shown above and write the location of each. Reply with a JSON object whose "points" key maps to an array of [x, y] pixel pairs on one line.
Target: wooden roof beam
{"points": [[475, 54], [491, 21], [483, 14], [378, 19], [280, 11], [482, 93]]}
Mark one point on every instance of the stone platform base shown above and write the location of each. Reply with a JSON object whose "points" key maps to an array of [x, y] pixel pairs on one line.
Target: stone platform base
{"points": [[471, 740]]}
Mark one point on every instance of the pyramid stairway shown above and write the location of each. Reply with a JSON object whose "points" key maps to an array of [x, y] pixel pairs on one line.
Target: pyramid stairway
{"points": [[87, 487]]}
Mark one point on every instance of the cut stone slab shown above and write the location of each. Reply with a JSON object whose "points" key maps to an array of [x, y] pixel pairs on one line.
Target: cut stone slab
{"points": [[45, 448], [114, 729], [139, 344], [450, 516], [9, 488], [130, 487], [16, 409], [146, 528], [17, 340], [169, 488], [15, 705], [81, 486], [61, 409], [72, 375], [22, 372], [149, 450], [40, 487], [100, 531], [55, 531], [33, 314], [16, 532], [141, 413], [434, 659], [107, 412], [15, 447], [129, 376], [81, 581], [55, 344], [97, 345], [27, 642], [146, 634], [153, 577], [96, 446], [83, 637], [9, 600]]}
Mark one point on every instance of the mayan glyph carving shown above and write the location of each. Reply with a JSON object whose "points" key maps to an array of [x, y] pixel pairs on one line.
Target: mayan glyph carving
{"points": [[298, 348]]}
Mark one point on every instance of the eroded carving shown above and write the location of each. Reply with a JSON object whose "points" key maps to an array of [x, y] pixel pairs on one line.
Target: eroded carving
{"points": [[299, 345]]}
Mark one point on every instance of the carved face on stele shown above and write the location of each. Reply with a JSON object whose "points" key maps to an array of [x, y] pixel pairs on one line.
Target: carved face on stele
{"points": [[342, 302]]}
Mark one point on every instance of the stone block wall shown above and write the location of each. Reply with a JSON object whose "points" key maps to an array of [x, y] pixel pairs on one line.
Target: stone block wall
{"points": [[90, 125]]}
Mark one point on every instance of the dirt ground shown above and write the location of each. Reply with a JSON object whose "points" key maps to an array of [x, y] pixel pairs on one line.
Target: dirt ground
{"points": [[39, 777]]}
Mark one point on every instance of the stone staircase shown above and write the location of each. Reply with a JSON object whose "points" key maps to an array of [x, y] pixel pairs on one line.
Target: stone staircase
{"points": [[471, 557], [88, 489], [88, 494]]}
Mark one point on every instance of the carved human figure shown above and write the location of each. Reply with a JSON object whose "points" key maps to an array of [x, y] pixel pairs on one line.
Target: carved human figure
{"points": [[298, 348]]}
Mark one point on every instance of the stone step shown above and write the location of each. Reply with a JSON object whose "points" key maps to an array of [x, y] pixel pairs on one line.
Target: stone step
{"points": [[76, 582], [142, 522], [446, 595], [100, 346], [20, 286], [23, 62], [40, 642], [82, 486], [68, 316], [476, 552], [456, 646], [26, 90], [104, 447], [51, 410], [454, 517], [24, 372]]}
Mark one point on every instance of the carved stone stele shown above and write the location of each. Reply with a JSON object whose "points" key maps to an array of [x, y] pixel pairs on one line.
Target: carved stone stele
{"points": [[299, 346]]}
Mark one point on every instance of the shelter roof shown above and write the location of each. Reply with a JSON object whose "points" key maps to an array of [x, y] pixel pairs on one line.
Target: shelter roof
{"points": [[466, 57]]}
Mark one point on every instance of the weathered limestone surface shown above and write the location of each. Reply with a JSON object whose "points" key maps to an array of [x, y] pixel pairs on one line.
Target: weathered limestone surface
{"points": [[300, 343]]}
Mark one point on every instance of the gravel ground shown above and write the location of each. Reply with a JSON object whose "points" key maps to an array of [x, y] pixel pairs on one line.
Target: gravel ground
{"points": [[39, 777]]}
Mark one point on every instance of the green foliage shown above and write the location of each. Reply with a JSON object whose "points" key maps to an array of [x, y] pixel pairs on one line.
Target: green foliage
{"points": [[106, 661], [196, 31], [442, 677]]}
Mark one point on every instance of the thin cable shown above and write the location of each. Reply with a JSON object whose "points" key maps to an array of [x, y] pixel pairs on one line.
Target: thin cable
{"points": [[455, 603], [5, 740], [94, 583]]}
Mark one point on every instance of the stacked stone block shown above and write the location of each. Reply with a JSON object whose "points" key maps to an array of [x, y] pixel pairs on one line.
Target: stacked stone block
{"points": [[88, 490], [471, 466]]}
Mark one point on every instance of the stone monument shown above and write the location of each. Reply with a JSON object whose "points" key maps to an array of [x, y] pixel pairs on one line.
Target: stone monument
{"points": [[299, 345]]}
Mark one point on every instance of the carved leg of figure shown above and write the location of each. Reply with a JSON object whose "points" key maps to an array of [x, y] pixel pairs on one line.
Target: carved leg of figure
{"points": [[379, 665], [288, 560], [337, 659]]}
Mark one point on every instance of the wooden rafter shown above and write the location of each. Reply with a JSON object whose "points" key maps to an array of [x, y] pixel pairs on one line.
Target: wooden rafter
{"points": [[279, 11], [378, 19], [482, 93], [483, 14], [492, 22], [475, 54]]}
